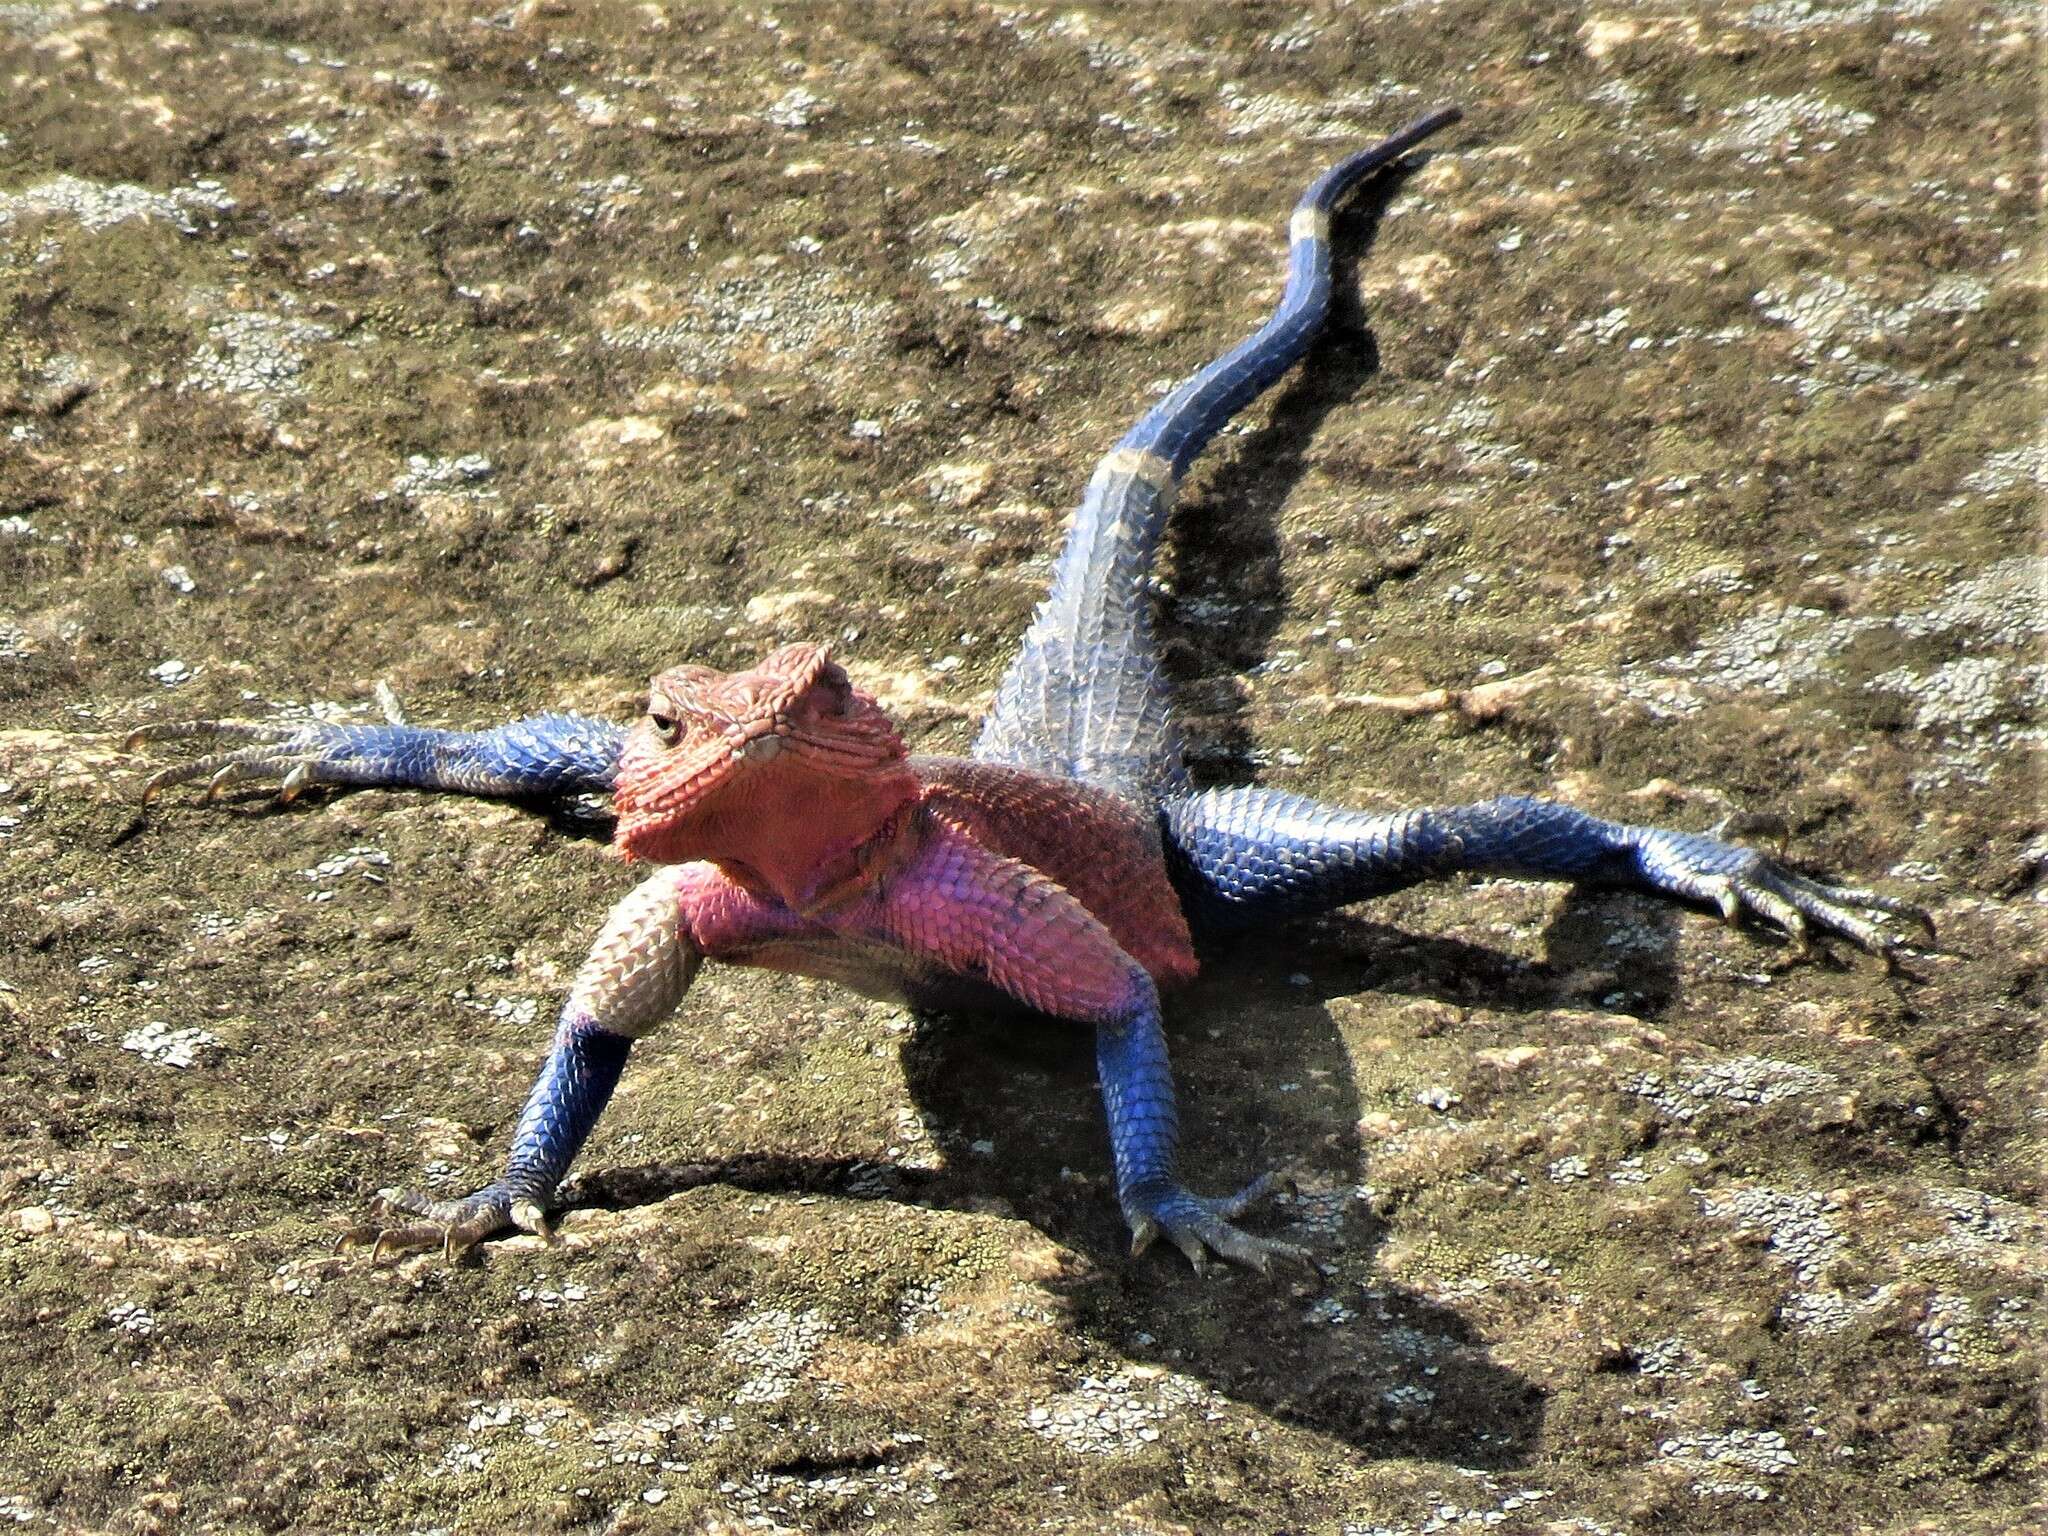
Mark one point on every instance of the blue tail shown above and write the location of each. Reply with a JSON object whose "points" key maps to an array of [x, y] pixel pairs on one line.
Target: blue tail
{"points": [[1084, 698]]}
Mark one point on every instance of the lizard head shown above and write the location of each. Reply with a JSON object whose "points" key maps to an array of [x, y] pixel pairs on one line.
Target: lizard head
{"points": [[723, 761]]}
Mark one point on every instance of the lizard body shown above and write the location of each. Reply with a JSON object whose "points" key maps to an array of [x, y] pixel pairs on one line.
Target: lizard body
{"points": [[1066, 867]]}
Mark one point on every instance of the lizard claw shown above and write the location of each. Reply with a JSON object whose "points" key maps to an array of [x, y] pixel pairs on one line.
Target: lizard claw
{"points": [[295, 753], [1201, 1227], [1739, 880], [1799, 906], [1144, 1232], [455, 1226], [528, 1216]]}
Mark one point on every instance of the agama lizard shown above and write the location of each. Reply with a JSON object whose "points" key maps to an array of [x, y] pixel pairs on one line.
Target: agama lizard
{"points": [[1066, 865]]}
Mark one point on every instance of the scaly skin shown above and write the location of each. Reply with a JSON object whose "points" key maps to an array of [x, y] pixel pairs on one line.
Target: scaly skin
{"points": [[1065, 867]]}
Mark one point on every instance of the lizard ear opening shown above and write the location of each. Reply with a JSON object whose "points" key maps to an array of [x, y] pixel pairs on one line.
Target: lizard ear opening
{"points": [[833, 689]]}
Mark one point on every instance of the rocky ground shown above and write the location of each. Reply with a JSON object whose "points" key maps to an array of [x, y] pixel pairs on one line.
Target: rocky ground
{"points": [[1679, 421]]}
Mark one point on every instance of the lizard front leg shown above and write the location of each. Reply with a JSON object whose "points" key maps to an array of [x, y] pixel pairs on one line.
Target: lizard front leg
{"points": [[546, 756], [635, 976], [979, 913], [1144, 1135]]}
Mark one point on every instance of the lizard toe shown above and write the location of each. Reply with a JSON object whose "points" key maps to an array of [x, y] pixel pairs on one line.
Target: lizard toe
{"points": [[1203, 1227], [1741, 880], [454, 1226], [1195, 1247], [297, 754], [1265, 1184]]}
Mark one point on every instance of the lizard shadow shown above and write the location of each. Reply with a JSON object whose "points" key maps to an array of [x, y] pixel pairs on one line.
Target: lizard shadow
{"points": [[1599, 949], [1264, 1082]]}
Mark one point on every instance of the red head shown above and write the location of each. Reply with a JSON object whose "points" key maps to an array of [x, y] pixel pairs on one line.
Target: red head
{"points": [[777, 770]]}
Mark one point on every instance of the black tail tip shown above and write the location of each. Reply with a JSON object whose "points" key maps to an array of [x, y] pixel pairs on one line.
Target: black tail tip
{"points": [[1430, 122]]}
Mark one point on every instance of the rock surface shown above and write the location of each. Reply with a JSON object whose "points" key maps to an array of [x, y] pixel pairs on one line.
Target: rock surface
{"points": [[1683, 401]]}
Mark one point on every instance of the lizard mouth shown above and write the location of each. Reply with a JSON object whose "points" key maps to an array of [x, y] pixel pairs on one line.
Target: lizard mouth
{"points": [[667, 775]]}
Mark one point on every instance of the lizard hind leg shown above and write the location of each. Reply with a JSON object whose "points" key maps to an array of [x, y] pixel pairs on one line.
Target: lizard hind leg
{"points": [[1249, 856]]}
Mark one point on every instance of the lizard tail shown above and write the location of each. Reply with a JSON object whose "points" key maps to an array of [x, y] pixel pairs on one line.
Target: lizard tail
{"points": [[1084, 698]]}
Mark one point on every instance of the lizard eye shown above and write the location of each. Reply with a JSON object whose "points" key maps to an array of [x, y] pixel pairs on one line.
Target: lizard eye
{"points": [[667, 727]]}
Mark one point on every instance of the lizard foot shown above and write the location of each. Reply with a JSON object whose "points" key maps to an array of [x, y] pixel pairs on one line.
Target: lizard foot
{"points": [[1739, 880], [1199, 1226], [294, 754], [455, 1226]]}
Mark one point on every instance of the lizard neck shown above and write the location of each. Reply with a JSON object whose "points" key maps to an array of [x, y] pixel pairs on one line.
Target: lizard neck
{"points": [[815, 845]]}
